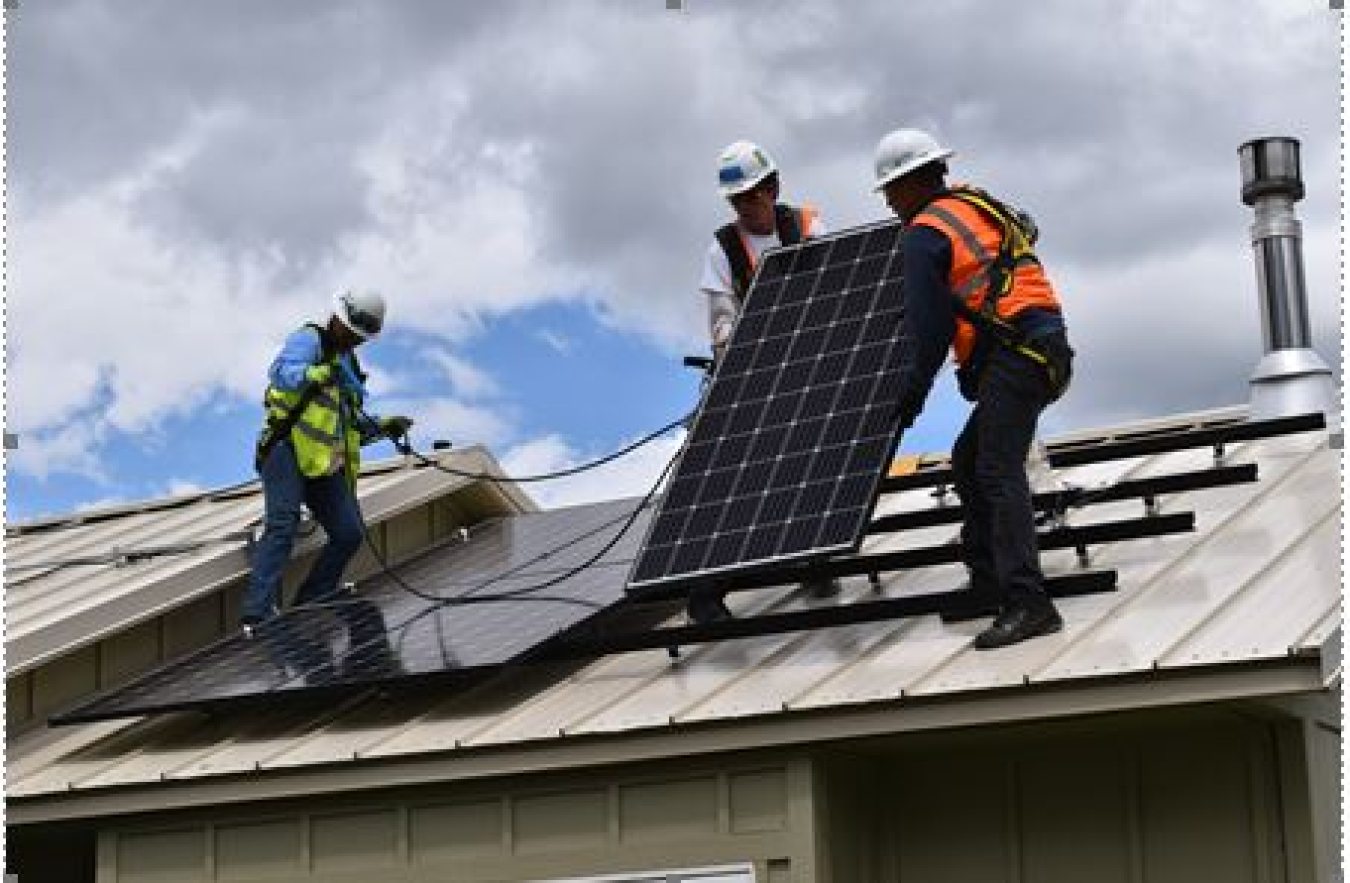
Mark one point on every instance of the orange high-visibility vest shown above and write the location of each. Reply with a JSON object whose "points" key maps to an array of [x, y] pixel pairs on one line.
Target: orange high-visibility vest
{"points": [[975, 240], [792, 226]]}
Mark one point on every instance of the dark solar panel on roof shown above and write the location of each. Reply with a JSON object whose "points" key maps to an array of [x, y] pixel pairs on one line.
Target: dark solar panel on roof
{"points": [[384, 634], [785, 458]]}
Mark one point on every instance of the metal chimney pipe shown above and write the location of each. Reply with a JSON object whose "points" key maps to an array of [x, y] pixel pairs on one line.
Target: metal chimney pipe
{"points": [[1290, 378]]}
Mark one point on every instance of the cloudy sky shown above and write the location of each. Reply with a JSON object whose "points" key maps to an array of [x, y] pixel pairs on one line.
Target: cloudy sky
{"points": [[532, 187]]}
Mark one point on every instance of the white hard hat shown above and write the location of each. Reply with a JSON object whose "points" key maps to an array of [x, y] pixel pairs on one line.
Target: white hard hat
{"points": [[741, 166], [903, 151], [360, 311]]}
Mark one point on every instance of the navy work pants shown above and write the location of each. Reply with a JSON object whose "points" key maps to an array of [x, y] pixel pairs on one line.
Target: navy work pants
{"points": [[998, 538]]}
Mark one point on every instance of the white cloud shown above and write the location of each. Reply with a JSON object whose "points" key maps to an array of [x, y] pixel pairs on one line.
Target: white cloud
{"points": [[468, 381], [452, 420], [630, 476], [68, 448], [559, 342], [223, 183]]}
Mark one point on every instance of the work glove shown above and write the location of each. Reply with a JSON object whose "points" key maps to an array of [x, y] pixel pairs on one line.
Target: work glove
{"points": [[396, 427], [321, 373]]}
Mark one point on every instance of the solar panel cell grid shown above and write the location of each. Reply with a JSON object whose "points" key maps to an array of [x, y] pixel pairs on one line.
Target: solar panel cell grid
{"points": [[385, 634], [786, 456]]}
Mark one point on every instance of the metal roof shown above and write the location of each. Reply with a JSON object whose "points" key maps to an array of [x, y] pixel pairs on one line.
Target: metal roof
{"points": [[1240, 608], [51, 610]]}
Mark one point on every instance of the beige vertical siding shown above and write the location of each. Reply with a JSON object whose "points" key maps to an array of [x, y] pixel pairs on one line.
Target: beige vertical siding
{"points": [[1166, 802], [663, 818], [59, 683]]}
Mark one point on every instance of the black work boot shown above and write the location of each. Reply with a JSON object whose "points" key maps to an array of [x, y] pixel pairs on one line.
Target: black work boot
{"points": [[1020, 620]]}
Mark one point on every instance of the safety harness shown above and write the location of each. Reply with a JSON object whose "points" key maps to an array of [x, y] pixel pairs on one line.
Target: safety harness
{"points": [[787, 222], [1017, 236], [277, 429]]}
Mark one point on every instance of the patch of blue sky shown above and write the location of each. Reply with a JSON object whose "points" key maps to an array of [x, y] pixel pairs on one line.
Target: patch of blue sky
{"points": [[210, 447], [565, 372]]}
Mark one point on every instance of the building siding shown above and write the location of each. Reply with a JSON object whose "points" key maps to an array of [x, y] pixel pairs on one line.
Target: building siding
{"points": [[649, 819], [1150, 800], [1135, 798]]}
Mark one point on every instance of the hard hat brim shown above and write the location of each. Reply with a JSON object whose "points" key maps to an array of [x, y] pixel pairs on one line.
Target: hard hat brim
{"points": [[748, 184], [901, 171]]}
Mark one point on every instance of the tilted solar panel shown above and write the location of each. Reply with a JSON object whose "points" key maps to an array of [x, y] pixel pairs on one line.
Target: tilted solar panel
{"points": [[786, 456], [384, 635]]}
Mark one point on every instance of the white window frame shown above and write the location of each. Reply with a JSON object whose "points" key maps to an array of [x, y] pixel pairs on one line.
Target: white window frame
{"points": [[741, 873]]}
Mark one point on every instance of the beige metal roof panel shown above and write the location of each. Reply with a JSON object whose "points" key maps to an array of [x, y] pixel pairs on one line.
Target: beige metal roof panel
{"points": [[1320, 633], [113, 748], [350, 735], [802, 664], [565, 708], [448, 723], [1283, 615], [1259, 576], [700, 673], [172, 753], [1198, 581], [815, 659]]}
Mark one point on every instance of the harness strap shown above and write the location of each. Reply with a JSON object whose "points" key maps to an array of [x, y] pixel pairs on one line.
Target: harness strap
{"points": [[280, 428], [996, 275], [788, 224], [738, 257]]}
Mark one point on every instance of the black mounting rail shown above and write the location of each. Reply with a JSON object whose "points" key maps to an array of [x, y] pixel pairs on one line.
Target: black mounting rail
{"points": [[585, 643], [875, 563], [1135, 444], [1050, 502]]}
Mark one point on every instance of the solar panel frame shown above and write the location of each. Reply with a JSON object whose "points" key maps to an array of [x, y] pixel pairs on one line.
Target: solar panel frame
{"points": [[785, 458]]}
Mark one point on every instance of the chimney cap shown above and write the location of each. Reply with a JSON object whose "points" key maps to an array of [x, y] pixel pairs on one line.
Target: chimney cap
{"points": [[1270, 166]]}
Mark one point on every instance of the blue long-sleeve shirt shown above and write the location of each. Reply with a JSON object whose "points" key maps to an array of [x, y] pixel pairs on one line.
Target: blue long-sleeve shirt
{"points": [[930, 321], [302, 349]]}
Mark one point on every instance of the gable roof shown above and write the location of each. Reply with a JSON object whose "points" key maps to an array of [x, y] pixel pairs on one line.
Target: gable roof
{"points": [[1245, 606], [71, 581]]}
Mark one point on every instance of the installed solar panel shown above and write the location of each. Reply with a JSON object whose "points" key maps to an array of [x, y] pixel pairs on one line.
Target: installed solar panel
{"points": [[786, 456], [385, 635]]}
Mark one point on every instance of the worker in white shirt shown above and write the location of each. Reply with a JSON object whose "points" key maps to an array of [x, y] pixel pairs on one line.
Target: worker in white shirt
{"points": [[748, 178]]}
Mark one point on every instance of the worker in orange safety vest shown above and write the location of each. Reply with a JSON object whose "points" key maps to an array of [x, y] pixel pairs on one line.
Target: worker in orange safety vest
{"points": [[972, 282]]}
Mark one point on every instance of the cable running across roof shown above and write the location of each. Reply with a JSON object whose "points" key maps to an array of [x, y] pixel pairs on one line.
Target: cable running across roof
{"points": [[120, 557]]}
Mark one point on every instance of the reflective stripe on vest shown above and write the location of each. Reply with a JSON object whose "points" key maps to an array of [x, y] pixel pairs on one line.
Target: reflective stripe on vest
{"points": [[317, 435], [975, 240]]}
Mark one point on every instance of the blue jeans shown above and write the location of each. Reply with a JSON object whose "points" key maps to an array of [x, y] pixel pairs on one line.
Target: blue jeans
{"points": [[334, 507]]}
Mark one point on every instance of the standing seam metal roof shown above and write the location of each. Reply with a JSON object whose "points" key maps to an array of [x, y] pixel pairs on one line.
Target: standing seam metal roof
{"points": [[1250, 594]]}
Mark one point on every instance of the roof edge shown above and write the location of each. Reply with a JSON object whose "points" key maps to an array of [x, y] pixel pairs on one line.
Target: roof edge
{"points": [[1158, 689]]}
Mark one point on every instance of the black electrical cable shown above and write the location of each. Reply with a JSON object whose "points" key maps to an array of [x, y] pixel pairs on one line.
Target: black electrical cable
{"points": [[405, 447], [131, 556], [120, 557], [525, 592]]}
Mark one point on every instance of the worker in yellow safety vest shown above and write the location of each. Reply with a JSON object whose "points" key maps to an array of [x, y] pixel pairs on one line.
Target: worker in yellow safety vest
{"points": [[973, 282], [310, 451]]}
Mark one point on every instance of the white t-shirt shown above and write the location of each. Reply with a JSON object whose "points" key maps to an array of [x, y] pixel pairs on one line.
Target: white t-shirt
{"points": [[723, 307]]}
